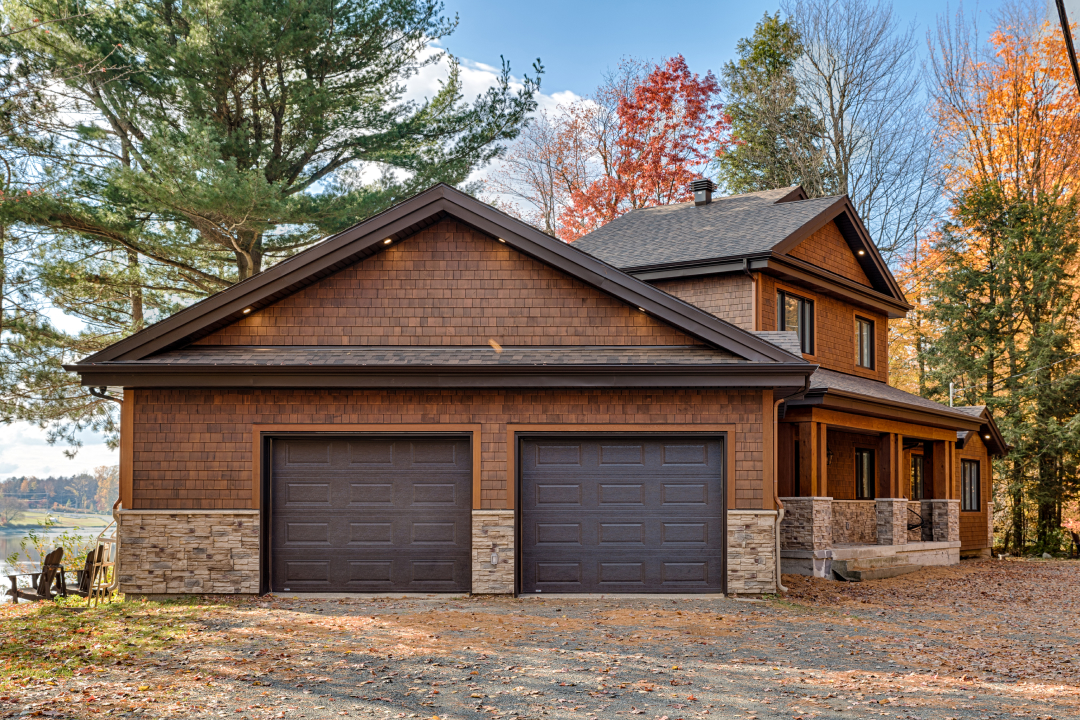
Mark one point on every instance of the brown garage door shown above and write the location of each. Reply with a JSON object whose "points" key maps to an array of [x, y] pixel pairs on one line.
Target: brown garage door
{"points": [[622, 515], [371, 514]]}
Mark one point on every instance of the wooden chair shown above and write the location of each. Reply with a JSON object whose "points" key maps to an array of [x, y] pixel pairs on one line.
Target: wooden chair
{"points": [[50, 577]]}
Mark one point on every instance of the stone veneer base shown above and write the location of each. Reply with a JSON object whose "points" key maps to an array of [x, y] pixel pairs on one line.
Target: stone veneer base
{"points": [[165, 553], [185, 552], [493, 534], [751, 552]]}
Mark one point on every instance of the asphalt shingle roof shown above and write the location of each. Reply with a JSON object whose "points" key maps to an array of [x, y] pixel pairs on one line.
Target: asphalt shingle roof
{"points": [[727, 227], [355, 356], [785, 340], [830, 380]]}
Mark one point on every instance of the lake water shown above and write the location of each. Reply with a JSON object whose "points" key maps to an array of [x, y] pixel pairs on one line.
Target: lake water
{"points": [[9, 543]]}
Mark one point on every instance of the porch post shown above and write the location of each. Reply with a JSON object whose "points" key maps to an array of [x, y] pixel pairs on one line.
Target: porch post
{"points": [[823, 461], [807, 480], [888, 484], [937, 465]]}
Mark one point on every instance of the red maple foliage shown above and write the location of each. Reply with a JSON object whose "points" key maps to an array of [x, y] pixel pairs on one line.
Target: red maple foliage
{"points": [[669, 125], [638, 141]]}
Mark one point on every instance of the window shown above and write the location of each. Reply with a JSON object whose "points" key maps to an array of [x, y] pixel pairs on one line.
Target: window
{"points": [[864, 341], [969, 485], [864, 474], [917, 477], [796, 315]]}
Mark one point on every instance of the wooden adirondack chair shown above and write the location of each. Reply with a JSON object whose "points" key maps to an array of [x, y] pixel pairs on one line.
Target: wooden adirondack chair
{"points": [[52, 574]]}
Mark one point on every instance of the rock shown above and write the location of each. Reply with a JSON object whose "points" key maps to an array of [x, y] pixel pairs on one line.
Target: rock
{"points": [[1047, 556]]}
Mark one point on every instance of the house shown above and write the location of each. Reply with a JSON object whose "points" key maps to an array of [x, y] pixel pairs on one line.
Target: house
{"points": [[444, 399], [873, 480]]}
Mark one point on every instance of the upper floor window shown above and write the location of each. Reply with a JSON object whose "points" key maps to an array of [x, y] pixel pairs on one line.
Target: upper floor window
{"points": [[864, 474], [796, 315], [969, 485], [864, 341]]}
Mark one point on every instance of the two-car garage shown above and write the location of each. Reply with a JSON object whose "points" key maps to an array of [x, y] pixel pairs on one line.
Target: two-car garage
{"points": [[392, 513]]}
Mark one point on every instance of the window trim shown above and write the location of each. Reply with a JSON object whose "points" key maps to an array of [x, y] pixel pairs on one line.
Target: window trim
{"points": [[977, 465], [810, 312], [871, 350], [873, 473]]}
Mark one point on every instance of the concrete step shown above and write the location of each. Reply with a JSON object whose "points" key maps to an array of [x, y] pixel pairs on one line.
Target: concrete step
{"points": [[852, 572]]}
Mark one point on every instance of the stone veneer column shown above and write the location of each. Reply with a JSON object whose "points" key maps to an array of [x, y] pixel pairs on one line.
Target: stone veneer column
{"points": [[493, 533], [751, 552], [166, 552], [892, 521], [946, 520], [807, 523]]}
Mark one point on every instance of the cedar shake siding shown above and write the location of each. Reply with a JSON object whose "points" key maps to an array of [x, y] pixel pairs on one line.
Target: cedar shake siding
{"points": [[834, 329], [448, 285], [192, 447], [828, 250], [728, 297], [973, 525]]}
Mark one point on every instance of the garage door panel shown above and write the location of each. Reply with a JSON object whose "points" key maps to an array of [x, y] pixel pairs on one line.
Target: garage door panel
{"points": [[560, 494], [623, 494], [625, 518], [622, 454], [386, 513], [371, 494]]}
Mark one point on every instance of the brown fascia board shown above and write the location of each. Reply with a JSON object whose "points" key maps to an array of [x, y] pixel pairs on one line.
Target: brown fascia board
{"points": [[888, 409], [787, 267], [792, 267], [857, 236], [996, 444], [783, 377], [367, 238], [797, 193]]}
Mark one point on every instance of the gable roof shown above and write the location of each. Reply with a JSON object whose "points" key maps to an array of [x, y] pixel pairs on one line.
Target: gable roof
{"points": [[370, 237], [992, 436], [758, 224]]}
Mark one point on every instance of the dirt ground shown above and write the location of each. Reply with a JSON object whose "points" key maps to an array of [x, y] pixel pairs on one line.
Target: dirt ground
{"points": [[985, 639]]}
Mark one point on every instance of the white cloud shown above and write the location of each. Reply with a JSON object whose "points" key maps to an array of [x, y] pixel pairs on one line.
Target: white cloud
{"points": [[25, 451]]}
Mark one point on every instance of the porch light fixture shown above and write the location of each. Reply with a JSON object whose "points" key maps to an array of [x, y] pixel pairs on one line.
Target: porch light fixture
{"points": [[502, 241], [247, 310], [986, 436], [641, 309], [862, 252], [387, 241]]}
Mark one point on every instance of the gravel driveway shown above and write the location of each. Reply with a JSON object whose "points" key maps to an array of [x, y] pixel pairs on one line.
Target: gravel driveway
{"points": [[985, 639]]}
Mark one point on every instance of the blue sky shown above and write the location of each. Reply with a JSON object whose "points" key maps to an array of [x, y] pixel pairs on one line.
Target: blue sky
{"points": [[577, 42]]}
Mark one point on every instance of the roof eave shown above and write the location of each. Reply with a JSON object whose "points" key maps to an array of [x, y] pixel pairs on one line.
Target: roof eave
{"points": [[367, 238], [134, 374], [939, 418]]}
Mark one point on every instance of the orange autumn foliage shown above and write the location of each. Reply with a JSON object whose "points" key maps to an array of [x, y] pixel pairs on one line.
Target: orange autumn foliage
{"points": [[1008, 113], [1011, 116]]}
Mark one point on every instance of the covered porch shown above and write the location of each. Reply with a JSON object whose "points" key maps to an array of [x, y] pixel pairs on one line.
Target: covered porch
{"points": [[865, 497]]}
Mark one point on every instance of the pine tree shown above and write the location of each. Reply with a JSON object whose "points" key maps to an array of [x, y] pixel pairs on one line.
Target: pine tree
{"points": [[776, 139], [191, 145], [1006, 305]]}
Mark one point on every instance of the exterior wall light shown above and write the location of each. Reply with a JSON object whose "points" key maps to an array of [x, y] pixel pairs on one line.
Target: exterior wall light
{"points": [[387, 241], [247, 310]]}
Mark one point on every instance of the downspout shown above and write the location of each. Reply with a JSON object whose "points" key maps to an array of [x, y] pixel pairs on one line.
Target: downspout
{"points": [[753, 295], [776, 476], [776, 485]]}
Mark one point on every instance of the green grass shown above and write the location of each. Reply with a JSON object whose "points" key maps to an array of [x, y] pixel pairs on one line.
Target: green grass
{"points": [[63, 638]]}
